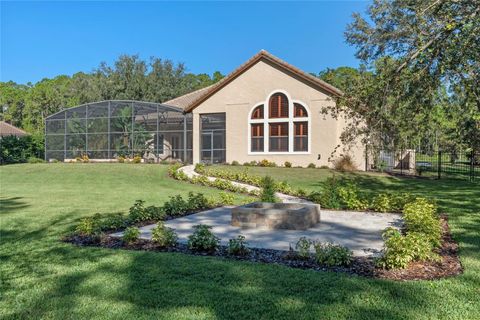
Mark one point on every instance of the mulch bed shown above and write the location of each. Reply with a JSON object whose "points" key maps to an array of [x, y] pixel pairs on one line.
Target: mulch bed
{"points": [[449, 265]]}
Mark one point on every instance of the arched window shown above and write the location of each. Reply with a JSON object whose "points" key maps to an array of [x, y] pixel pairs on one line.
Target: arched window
{"points": [[299, 111], [284, 130], [278, 106], [258, 112]]}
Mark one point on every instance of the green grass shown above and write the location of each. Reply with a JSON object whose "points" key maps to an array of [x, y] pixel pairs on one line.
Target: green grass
{"points": [[42, 277]]}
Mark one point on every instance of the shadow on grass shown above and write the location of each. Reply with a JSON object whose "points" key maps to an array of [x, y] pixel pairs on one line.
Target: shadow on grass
{"points": [[9, 205]]}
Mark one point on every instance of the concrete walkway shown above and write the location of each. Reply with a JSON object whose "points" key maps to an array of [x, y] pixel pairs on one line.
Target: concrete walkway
{"points": [[361, 232], [190, 172]]}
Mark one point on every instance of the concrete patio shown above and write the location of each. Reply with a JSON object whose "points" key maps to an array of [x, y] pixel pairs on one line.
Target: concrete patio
{"points": [[361, 232]]}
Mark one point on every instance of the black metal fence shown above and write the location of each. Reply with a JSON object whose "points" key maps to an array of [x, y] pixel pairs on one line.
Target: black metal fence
{"points": [[435, 164]]}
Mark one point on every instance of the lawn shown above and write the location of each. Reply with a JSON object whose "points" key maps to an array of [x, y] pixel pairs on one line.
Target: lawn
{"points": [[42, 277]]}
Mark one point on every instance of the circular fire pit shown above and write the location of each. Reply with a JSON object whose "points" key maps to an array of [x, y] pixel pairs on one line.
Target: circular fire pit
{"points": [[293, 216]]}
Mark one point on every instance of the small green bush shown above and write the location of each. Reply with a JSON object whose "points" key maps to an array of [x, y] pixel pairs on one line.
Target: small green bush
{"points": [[163, 236], [227, 198], [238, 246], [111, 221], [303, 248], [324, 167], [35, 160], [287, 164], [138, 212], [301, 193], [86, 227], [203, 239], [131, 235], [266, 163], [196, 201], [329, 196], [268, 190], [311, 166], [350, 197], [400, 250], [421, 216], [175, 206], [235, 163], [382, 203], [332, 255]]}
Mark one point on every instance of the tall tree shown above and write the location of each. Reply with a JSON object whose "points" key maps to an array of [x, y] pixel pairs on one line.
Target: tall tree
{"points": [[434, 44]]}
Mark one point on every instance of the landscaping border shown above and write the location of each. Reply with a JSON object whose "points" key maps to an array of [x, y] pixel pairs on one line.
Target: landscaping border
{"points": [[449, 264]]}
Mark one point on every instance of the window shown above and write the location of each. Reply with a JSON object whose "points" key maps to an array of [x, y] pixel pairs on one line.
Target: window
{"points": [[258, 112], [278, 106], [257, 137], [299, 111], [284, 128], [300, 141], [279, 137]]}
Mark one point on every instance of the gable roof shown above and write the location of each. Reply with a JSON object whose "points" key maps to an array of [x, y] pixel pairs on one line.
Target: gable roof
{"points": [[193, 99], [6, 129]]}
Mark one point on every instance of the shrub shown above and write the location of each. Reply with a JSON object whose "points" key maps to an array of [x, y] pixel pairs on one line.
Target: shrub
{"points": [[420, 216], [324, 167], [399, 200], [35, 160], [112, 221], [303, 248], [301, 193], [268, 190], [329, 196], [287, 164], [175, 206], [332, 255], [203, 239], [131, 235], [227, 198], [19, 149], [86, 227], [350, 198], [196, 201], [138, 212], [311, 166], [235, 163], [238, 246], [400, 250], [121, 159], [137, 159], [85, 158], [163, 236], [344, 163], [266, 163], [382, 203]]}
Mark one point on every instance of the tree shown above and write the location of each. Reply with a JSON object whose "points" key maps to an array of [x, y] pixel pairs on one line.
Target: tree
{"points": [[12, 102], [430, 45]]}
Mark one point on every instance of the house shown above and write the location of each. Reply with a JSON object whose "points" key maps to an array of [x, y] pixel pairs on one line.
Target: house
{"points": [[6, 129], [265, 109]]}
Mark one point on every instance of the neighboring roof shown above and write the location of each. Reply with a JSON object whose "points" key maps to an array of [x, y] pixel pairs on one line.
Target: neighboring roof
{"points": [[193, 99], [6, 129], [186, 100]]}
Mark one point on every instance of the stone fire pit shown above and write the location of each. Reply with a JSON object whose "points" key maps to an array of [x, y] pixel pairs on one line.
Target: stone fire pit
{"points": [[293, 216]]}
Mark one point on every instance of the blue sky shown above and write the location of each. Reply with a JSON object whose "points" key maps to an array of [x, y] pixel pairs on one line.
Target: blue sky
{"points": [[46, 39]]}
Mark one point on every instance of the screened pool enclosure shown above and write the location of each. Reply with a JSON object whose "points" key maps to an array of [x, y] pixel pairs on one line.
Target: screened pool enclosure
{"points": [[111, 129]]}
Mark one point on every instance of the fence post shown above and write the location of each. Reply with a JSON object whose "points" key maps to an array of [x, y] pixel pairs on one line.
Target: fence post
{"points": [[472, 162], [439, 164]]}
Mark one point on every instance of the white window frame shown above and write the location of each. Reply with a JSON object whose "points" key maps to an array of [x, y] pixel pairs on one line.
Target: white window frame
{"points": [[266, 128]]}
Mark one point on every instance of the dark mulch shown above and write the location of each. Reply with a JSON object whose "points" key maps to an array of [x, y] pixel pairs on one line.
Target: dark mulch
{"points": [[449, 265]]}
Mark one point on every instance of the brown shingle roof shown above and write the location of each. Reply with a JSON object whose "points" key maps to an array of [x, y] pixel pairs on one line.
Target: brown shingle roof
{"points": [[191, 100], [6, 129]]}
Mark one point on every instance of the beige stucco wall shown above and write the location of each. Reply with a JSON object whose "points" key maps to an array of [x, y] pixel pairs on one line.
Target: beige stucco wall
{"points": [[252, 87]]}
